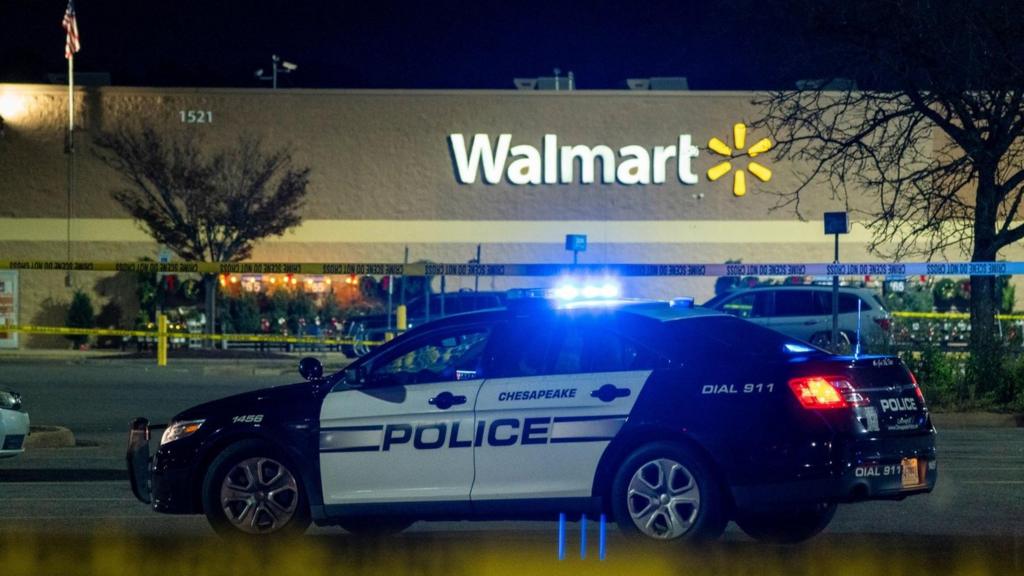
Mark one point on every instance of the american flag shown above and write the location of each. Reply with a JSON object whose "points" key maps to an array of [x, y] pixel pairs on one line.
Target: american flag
{"points": [[70, 25]]}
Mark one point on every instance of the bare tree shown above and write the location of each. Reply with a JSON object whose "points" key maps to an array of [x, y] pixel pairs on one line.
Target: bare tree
{"points": [[204, 205], [935, 135]]}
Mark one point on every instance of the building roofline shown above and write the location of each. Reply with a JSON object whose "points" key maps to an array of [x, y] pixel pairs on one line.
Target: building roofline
{"points": [[60, 88]]}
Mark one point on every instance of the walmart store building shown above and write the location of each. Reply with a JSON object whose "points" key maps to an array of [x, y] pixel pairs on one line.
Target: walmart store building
{"points": [[438, 172]]}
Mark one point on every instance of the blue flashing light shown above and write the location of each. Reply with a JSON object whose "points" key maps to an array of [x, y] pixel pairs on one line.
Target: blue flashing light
{"points": [[568, 292], [682, 302], [798, 348]]}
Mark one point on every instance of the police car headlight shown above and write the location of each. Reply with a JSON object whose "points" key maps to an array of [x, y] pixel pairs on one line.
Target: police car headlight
{"points": [[10, 400], [179, 430]]}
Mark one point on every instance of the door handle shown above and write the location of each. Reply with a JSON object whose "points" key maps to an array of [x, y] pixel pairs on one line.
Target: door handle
{"points": [[810, 322], [609, 392], [446, 400]]}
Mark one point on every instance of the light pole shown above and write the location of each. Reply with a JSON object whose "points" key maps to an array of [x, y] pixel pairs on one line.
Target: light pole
{"points": [[836, 223], [277, 66]]}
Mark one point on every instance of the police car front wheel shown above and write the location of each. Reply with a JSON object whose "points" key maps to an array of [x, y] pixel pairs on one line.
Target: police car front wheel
{"points": [[663, 492], [251, 489]]}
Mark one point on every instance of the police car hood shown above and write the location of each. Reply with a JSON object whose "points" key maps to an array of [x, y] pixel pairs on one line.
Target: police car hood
{"points": [[268, 398]]}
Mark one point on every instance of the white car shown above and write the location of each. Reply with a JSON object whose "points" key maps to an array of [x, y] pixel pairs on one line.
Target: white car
{"points": [[805, 312], [13, 424]]}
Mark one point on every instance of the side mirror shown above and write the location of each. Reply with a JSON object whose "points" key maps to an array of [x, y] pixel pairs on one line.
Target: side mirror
{"points": [[310, 368]]}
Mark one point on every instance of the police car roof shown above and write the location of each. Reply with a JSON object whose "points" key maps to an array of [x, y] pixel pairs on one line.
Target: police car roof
{"points": [[657, 310]]}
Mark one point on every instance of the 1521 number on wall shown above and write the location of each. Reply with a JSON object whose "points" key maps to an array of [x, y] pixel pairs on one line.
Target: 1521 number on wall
{"points": [[196, 116]]}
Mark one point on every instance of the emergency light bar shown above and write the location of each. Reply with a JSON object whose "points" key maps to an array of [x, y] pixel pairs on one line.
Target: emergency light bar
{"points": [[568, 292]]}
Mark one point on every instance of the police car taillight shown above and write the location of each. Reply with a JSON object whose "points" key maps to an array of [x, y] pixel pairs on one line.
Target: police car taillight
{"points": [[917, 387], [826, 392]]}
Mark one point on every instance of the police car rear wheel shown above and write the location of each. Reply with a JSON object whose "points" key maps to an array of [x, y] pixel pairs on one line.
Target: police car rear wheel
{"points": [[664, 493], [250, 489], [789, 526]]}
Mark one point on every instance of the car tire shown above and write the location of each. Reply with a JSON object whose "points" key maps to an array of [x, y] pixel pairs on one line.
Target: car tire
{"points": [[787, 527], [374, 525], [664, 492], [254, 490]]}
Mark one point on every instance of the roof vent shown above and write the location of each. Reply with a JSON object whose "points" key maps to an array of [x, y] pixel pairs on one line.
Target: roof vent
{"points": [[638, 83], [827, 84], [556, 82], [525, 83], [658, 83]]}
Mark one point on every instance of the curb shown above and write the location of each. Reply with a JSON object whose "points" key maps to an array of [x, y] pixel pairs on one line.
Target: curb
{"points": [[977, 420], [49, 437]]}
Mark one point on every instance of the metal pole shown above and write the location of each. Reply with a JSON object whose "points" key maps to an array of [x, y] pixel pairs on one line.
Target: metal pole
{"points": [[71, 156], [426, 298], [401, 294], [442, 295], [835, 302], [391, 290], [161, 340], [476, 278]]}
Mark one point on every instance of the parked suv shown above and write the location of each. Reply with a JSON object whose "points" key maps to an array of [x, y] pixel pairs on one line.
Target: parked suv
{"points": [[805, 312], [371, 328]]}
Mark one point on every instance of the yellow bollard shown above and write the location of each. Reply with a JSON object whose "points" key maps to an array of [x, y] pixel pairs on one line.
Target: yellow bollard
{"points": [[161, 340], [401, 318]]}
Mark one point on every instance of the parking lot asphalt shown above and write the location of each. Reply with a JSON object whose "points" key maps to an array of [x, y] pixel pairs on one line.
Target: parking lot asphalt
{"points": [[84, 489]]}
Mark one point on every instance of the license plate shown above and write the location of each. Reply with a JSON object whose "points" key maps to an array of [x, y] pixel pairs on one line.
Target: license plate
{"points": [[911, 474]]}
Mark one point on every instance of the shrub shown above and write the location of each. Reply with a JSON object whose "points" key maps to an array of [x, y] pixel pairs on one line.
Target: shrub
{"points": [[940, 377], [243, 314], [80, 315], [1009, 391]]}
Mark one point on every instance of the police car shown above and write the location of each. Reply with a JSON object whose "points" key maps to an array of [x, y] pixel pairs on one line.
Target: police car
{"points": [[672, 420]]}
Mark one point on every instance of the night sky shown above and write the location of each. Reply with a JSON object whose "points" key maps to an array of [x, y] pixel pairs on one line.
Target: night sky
{"points": [[382, 44]]}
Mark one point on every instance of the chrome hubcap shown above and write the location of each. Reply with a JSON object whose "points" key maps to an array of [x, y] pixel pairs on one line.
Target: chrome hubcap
{"points": [[663, 499], [259, 495]]}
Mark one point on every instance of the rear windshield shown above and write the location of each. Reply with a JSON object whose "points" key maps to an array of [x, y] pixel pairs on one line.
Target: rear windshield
{"points": [[726, 337]]}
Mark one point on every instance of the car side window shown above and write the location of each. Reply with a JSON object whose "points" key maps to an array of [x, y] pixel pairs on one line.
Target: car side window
{"points": [[523, 351], [440, 357], [848, 303], [793, 303], [749, 305], [585, 347]]}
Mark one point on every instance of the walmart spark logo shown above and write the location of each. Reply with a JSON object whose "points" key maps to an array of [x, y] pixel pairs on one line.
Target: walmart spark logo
{"points": [[739, 178]]}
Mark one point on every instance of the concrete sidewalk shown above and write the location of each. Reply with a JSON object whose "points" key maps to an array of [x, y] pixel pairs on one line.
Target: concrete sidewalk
{"points": [[977, 420], [231, 362]]}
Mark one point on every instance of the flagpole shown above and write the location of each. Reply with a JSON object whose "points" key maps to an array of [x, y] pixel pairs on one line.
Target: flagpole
{"points": [[71, 155]]}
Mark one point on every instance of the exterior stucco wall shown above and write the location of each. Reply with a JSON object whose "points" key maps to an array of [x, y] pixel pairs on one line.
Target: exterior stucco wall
{"points": [[383, 178]]}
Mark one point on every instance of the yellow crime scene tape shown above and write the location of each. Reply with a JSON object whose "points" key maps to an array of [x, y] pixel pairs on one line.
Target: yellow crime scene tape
{"points": [[533, 269], [951, 315], [275, 338]]}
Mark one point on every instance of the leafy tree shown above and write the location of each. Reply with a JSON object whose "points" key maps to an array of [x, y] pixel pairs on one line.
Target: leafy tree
{"points": [[935, 133], [204, 204]]}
